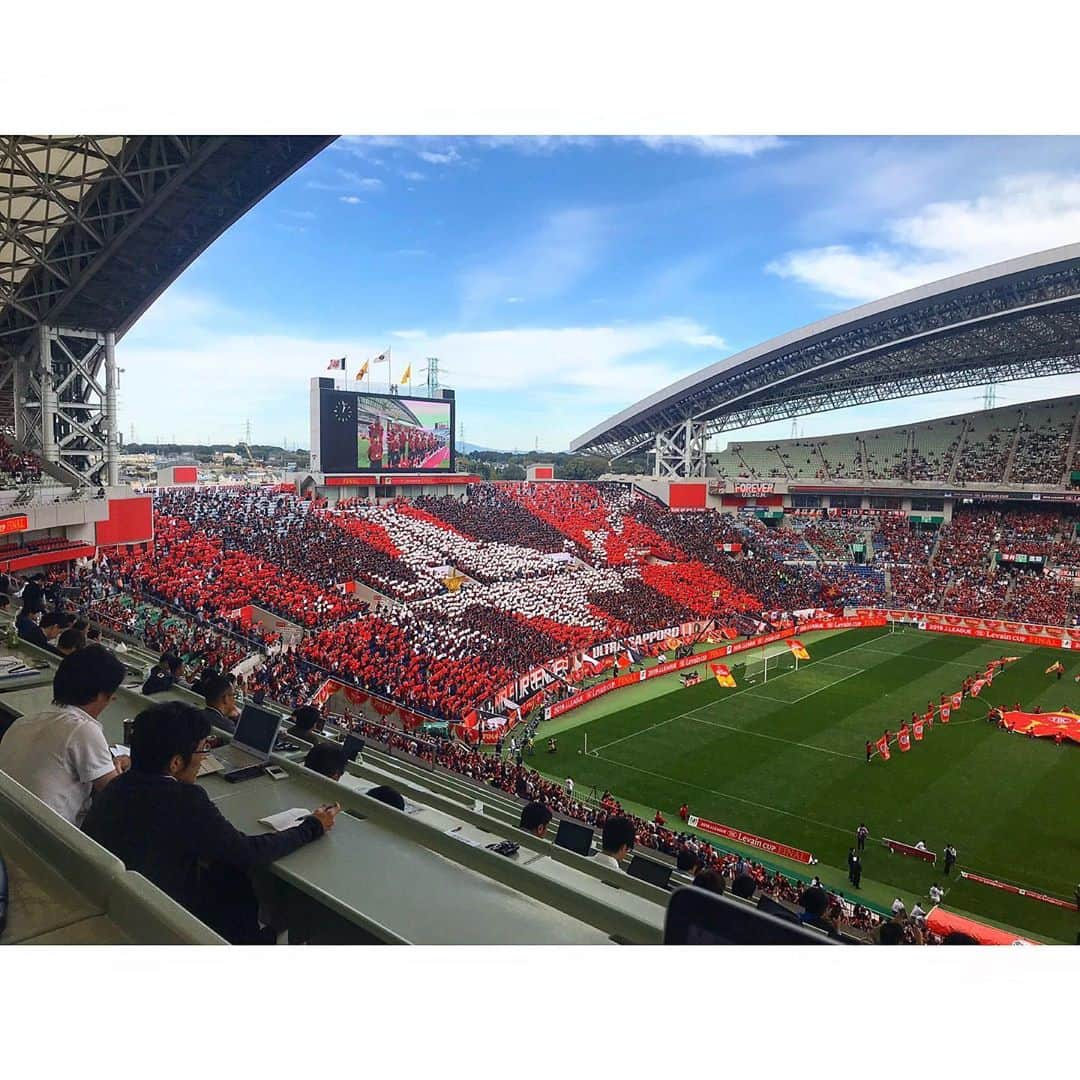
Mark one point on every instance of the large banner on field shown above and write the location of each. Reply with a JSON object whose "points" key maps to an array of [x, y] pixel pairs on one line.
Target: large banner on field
{"points": [[759, 842], [1045, 725]]}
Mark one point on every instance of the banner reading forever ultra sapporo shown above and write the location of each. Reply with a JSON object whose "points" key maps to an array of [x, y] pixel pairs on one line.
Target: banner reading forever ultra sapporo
{"points": [[759, 842]]}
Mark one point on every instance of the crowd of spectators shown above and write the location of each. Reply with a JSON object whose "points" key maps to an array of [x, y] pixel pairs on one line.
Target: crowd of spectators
{"points": [[17, 467]]}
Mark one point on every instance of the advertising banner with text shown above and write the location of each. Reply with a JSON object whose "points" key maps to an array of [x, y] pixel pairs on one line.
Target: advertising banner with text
{"points": [[773, 847], [1052, 637]]}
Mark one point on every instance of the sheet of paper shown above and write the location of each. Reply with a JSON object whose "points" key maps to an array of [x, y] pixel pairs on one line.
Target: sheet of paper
{"points": [[119, 750], [286, 819]]}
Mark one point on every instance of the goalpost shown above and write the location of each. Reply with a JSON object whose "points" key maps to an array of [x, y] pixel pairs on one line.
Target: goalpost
{"points": [[765, 663]]}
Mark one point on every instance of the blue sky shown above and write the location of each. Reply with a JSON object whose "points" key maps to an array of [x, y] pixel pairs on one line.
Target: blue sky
{"points": [[561, 279]]}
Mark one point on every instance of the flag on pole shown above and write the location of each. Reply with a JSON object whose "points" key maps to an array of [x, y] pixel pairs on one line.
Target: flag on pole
{"points": [[883, 748], [671, 643], [798, 650], [957, 698], [977, 686], [382, 358], [362, 373], [903, 737], [623, 660], [722, 674], [1054, 668], [946, 710], [336, 365], [406, 375], [917, 730]]}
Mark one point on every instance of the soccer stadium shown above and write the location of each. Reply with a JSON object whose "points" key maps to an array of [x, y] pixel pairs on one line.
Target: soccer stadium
{"points": [[814, 690]]}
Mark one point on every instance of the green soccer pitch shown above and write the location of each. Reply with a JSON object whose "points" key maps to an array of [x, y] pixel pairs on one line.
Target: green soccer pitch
{"points": [[785, 758]]}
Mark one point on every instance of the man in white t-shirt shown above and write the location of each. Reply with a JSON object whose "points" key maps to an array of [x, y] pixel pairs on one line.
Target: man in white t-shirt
{"points": [[898, 907], [61, 754], [935, 894], [616, 841], [569, 787]]}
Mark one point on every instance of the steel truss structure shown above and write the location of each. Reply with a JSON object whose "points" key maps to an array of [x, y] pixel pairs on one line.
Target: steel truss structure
{"points": [[1015, 320], [92, 231]]}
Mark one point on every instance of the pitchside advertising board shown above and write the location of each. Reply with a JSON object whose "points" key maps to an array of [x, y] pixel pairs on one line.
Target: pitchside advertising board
{"points": [[353, 431]]}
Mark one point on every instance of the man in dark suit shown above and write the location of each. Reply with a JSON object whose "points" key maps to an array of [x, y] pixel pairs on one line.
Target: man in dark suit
{"points": [[221, 710], [163, 674], [162, 824], [33, 596], [26, 626]]}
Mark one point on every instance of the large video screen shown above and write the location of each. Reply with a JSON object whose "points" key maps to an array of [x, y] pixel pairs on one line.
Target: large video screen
{"points": [[385, 433]]}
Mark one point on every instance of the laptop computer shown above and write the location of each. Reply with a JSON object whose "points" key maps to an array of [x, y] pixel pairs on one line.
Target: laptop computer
{"points": [[574, 837], [353, 746], [256, 731], [655, 873]]}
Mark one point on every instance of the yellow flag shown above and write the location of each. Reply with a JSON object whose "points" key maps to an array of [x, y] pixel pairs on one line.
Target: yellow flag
{"points": [[406, 375], [362, 373], [798, 650]]}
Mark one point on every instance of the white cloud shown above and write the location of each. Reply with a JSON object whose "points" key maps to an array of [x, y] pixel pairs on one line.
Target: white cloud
{"points": [[514, 299], [1019, 215], [441, 151], [439, 157], [562, 251], [412, 174], [352, 200], [712, 145], [561, 379], [709, 340], [364, 183]]}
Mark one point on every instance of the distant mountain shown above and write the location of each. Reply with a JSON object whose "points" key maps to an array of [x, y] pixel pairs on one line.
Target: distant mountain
{"points": [[472, 448]]}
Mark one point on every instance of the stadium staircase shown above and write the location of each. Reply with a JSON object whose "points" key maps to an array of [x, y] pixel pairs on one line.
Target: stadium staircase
{"points": [[1015, 443], [824, 463], [959, 452], [1070, 457], [64, 475], [783, 461]]}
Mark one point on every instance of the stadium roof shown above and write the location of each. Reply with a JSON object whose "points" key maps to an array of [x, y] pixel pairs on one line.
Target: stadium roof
{"points": [[1018, 319], [94, 228]]}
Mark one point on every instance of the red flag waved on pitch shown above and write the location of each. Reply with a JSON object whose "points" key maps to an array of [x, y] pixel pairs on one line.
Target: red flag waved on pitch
{"points": [[917, 730], [722, 674], [883, 748], [904, 739], [798, 649]]}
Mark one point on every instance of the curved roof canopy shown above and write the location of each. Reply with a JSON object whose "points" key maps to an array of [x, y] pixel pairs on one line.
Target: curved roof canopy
{"points": [[94, 228], [1018, 319]]}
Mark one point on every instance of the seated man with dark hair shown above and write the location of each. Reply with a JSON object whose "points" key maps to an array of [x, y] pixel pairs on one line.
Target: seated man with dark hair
{"points": [[815, 902], [306, 721], [61, 754], [161, 823], [535, 817], [326, 760], [617, 840], [386, 794], [710, 880], [163, 674], [220, 696], [27, 626], [71, 640], [689, 862]]}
